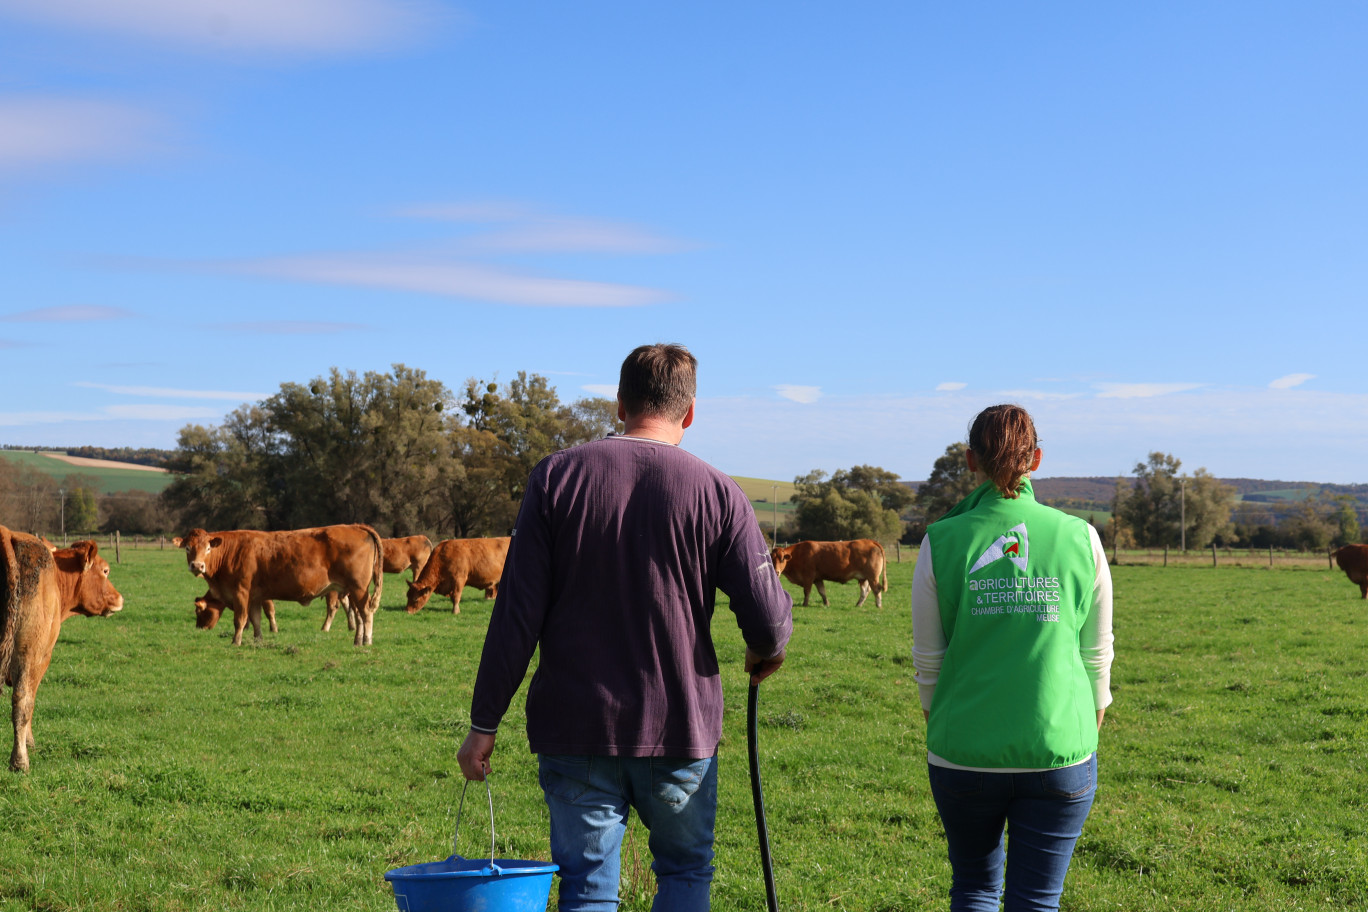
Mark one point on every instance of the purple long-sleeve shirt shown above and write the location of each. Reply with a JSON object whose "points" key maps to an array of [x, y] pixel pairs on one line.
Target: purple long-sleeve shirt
{"points": [[619, 548]]}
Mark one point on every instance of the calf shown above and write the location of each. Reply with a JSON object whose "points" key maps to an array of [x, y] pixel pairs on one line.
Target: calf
{"points": [[455, 564], [809, 563], [40, 588], [208, 610]]}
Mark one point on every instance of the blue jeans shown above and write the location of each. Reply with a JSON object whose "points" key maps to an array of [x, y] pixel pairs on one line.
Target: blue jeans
{"points": [[590, 799], [1043, 814]]}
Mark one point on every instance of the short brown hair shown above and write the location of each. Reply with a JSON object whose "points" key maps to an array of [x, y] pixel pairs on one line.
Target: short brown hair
{"points": [[1003, 439], [659, 380]]}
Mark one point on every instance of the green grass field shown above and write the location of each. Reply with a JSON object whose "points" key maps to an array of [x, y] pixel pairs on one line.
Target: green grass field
{"points": [[175, 772], [107, 478]]}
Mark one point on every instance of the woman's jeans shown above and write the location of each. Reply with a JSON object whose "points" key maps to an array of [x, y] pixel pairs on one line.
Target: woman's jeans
{"points": [[590, 799], [1043, 814]]}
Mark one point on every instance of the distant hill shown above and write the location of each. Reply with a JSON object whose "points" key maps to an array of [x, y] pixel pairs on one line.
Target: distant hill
{"points": [[106, 476]]}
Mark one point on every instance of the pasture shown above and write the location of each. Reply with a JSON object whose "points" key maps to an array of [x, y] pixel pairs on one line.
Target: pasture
{"points": [[105, 478], [175, 772]]}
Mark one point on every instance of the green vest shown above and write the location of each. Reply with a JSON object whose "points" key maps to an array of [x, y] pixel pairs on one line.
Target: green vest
{"points": [[1015, 581]]}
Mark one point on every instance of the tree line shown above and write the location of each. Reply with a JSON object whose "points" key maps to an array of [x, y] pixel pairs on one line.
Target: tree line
{"points": [[404, 453], [1157, 507], [398, 451]]}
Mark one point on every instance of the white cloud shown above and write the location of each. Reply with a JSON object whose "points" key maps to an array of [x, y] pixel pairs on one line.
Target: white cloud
{"points": [[531, 231], [69, 314], [112, 413], [454, 279], [170, 393], [54, 130], [1290, 381], [272, 25], [601, 389], [950, 386], [803, 394], [1142, 390]]}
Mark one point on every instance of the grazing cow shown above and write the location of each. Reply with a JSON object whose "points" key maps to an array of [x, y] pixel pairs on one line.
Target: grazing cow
{"points": [[208, 610], [810, 562], [408, 553], [1353, 560], [244, 568], [40, 588], [455, 564]]}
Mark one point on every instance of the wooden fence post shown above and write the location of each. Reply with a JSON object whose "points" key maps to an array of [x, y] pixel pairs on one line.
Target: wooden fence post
{"points": [[1270, 555], [1165, 555], [116, 548], [1213, 554], [898, 547]]}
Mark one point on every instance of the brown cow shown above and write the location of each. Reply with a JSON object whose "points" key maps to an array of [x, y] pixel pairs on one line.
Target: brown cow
{"points": [[38, 590], [1353, 560], [245, 567], [810, 562], [455, 564], [208, 610], [409, 553]]}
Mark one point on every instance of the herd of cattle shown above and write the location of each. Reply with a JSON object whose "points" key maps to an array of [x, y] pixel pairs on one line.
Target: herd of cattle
{"points": [[246, 571]]}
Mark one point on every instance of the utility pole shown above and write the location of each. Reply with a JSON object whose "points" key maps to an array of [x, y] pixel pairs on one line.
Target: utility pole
{"points": [[62, 493]]}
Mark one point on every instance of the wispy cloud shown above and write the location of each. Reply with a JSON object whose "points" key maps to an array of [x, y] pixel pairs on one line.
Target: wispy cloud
{"points": [[803, 394], [601, 389], [312, 26], [1142, 390], [162, 392], [531, 231], [950, 386], [41, 131], [113, 413], [1290, 381], [471, 281], [155, 412], [292, 327], [68, 314]]}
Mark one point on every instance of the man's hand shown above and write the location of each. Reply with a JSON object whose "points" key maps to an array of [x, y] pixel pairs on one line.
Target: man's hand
{"points": [[759, 668], [474, 755]]}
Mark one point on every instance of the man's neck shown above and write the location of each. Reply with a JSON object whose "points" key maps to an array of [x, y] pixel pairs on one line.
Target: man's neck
{"points": [[663, 431]]}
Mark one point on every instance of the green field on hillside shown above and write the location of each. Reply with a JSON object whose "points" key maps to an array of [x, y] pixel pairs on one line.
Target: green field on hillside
{"points": [[175, 772], [106, 479]]}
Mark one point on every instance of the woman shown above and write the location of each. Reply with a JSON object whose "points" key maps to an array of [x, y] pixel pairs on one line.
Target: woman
{"points": [[1012, 643]]}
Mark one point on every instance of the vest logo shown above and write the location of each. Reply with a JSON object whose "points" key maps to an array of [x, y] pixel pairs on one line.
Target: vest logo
{"points": [[1014, 546]]}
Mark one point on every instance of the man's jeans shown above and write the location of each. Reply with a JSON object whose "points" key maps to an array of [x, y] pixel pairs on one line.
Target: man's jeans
{"points": [[590, 798], [1043, 813]]}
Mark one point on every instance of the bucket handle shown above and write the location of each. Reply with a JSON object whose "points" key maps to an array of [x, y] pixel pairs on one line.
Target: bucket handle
{"points": [[456, 837]]}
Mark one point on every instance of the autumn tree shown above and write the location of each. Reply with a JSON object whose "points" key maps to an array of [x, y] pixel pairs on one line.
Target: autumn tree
{"points": [[222, 475], [1166, 509], [950, 482], [862, 502], [395, 450]]}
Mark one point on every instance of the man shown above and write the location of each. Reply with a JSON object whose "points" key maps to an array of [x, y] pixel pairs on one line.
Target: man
{"points": [[619, 548]]}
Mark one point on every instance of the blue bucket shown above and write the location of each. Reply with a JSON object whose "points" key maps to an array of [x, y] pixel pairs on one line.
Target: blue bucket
{"points": [[473, 884]]}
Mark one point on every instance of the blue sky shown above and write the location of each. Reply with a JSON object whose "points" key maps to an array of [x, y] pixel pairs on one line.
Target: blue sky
{"points": [[1144, 222]]}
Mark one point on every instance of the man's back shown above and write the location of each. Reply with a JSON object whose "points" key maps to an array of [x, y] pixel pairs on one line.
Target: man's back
{"points": [[618, 551]]}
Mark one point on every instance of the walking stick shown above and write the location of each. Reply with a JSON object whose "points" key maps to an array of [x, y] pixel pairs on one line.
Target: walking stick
{"points": [[758, 794]]}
